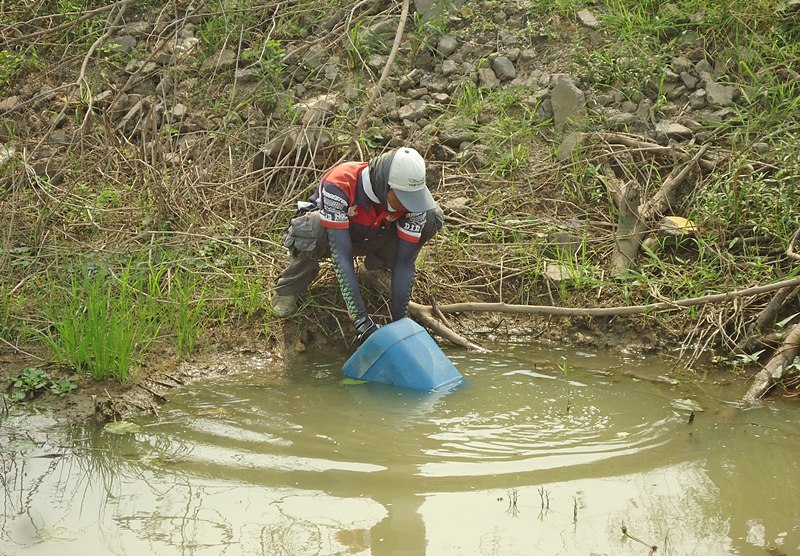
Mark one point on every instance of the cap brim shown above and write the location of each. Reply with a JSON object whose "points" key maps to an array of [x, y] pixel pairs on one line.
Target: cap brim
{"points": [[416, 201]]}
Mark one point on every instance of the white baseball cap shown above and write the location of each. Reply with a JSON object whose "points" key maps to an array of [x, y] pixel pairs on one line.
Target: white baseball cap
{"points": [[407, 180]]}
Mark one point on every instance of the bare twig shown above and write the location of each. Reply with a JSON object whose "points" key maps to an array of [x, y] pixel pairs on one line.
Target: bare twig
{"points": [[615, 311], [386, 70]]}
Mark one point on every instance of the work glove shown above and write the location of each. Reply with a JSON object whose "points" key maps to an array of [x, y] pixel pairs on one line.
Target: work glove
{"points": [[365, 327]]}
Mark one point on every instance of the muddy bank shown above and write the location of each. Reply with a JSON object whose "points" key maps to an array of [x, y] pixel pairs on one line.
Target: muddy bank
{"points": [[247, 348]]}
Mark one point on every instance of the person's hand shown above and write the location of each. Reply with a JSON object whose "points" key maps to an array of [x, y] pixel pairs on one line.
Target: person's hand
{"points": [[365, 327]]}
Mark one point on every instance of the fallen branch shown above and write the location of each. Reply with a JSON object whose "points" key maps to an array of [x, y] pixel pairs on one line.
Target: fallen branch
{"points": [[614, 311], [776, 368], [424, 314]]}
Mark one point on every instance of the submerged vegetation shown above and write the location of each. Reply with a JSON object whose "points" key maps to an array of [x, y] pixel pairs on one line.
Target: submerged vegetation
{"points": [[134, 218]]}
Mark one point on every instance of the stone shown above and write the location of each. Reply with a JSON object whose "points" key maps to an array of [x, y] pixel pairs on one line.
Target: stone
{"points": [[719, 95], [9, 103], [569, 103], [487, 79], [697, 100], [689, 80], [503, 69], [588, 19], [414, 110], [676, 226], [225, 60], [123, 44], [681, 64], [319, 109], [703, 66], [449, 67], [389, 101], [568, 146], [6, 154], [556, 273], [247, 75], [377, 62], [621, 121], [673, 130], [447, 45]]}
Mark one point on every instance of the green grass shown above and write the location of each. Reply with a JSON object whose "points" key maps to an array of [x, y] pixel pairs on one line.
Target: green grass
{"points": [[101, 325]]}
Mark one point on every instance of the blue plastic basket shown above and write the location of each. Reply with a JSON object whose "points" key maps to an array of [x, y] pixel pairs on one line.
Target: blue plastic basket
{"points": [[403, 354]]}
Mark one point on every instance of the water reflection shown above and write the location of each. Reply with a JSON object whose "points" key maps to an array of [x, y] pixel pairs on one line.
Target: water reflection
{"points": [[525, 458]]}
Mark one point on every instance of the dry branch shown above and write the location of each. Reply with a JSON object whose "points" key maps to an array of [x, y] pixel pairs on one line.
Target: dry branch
{"points": [[634, 219], [615, 311], [775, 369]]}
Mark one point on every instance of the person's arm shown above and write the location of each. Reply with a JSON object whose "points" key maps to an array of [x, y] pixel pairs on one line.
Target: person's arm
{"points": [[333, 214], [403, 277], [409, 231]]}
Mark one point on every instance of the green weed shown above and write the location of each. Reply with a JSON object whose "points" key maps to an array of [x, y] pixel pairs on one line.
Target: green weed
{"points": [[33, 381], [101, 325], [14, 64], [188, 304]]}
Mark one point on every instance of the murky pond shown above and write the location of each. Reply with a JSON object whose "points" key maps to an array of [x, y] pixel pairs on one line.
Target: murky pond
{"points": [[541, 452]]}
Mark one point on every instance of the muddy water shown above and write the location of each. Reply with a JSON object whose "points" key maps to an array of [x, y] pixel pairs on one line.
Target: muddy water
{"points": [[541, 452]]}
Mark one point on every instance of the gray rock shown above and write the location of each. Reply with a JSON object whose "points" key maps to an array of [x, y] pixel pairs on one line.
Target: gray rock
{"points": [[377, 62], [568, 145], [674, 91], [673, 130], [123, 44], [569, 104], [436, 8], [719, 95], [503, 68], [351, 92], [588, 19], [513, 54], [644, 112], [9, 103], [414, 110], [556, 273], [508, 39], [6, 154], [61, 137], [447, 45], [319, 109], [178, 112], [628, 107], [527, 55], [449, 67], [670, 76], [487, 79], [425, 60], [137, 29], [247, 75], [697, 100], [621, 121], [225, 60], [331, 72], [603, 99], [703, 66], [454, 137], [681, 64], [314, 58], [689, 80], [389, 101]]}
